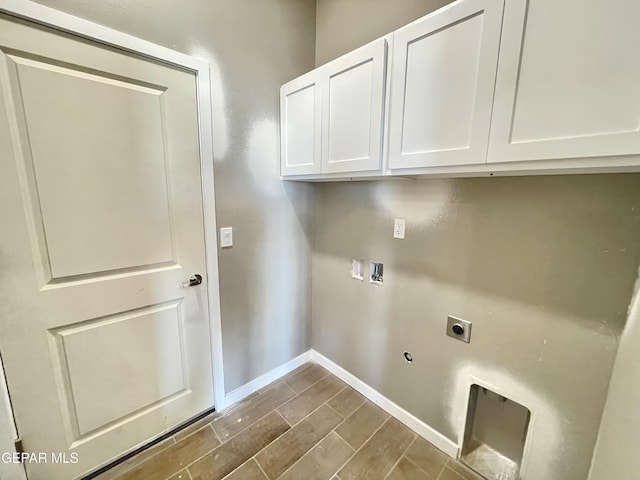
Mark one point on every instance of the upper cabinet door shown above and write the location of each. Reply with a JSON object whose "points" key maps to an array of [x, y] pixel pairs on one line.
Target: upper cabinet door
{"points": [[300, 126], [353, 110], [568, 81], [442, 84]]}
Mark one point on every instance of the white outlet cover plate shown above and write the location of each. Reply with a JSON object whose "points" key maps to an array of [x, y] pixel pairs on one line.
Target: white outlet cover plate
{"points": [[398, 228], [226, 237], [357, 269]]}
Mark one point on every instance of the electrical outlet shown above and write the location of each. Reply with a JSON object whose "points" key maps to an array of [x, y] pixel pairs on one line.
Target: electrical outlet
{"points": [[398, 228]]}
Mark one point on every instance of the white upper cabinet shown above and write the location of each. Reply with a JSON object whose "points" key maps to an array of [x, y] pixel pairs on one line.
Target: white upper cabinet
{"points": [[479, 87], [442, 85], [568, 83], [352, 110], [300, 126]]}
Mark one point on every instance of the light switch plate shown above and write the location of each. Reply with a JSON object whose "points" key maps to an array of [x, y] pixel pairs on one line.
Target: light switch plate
{"points": [[226, 237], [398, 228]]}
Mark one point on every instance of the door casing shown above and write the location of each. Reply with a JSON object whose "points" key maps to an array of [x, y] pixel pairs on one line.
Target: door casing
{"points": [[49, 17]]}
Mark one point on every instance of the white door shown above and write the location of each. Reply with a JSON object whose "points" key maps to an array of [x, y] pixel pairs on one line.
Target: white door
{"points": [[101, 219], [568, 81], [300, 126], [442, 83], [352, 110]]}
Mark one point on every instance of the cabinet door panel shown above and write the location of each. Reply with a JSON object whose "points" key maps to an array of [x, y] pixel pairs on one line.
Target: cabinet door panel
{"points": [[300, 126], [568, 82], [353, 110], [443, 78]]}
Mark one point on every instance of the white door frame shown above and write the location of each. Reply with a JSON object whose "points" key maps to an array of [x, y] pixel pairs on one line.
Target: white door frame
{"points": [[42, 15], [8, 432]]}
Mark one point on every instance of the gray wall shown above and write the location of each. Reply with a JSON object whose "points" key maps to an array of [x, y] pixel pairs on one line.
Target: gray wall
{"points": [[544, 267], [253, 47], [343, 25], [616, 454]]}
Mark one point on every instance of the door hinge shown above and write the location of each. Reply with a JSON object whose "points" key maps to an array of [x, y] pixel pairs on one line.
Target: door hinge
{"points": [[18, 445]]}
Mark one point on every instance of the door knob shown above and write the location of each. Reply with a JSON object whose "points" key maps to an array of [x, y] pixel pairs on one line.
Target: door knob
{"points": [[193, 281]]}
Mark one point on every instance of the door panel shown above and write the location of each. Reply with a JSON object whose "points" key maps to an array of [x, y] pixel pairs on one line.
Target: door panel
{"points": [[443, 78], [93, 384], [101, 209], [350, 113], [114, 178], [300, 125], [449, 88], [353, 110], [568, 82]]}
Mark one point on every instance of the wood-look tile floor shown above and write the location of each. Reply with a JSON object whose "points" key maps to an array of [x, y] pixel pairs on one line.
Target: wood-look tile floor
{"points": [[307, 425]]}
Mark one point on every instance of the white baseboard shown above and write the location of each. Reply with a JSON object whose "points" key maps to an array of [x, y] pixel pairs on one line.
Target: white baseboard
{"points": [[431, 435], [425, 431], [264, 380]]}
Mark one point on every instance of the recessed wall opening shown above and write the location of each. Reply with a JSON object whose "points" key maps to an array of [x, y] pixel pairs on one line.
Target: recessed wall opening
{"points": [[375, 273], [495, 435]]}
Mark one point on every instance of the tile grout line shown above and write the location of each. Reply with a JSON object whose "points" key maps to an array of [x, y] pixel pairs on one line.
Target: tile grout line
{"points": [[175, 441], [442, 470], [374, 432], [319, 380], [415, 464], [289, 387], [411, 444], [334, 410], [255, 456], [305, 453], [214, 433], [244, 463], [474, 474], [355, 452], [260, 466], [302, 368], [222, 442], [310, 364], [365, 400], [415, 436], [231, 438], [263, 448], [315, 444], [393, 467], [313, 411], [257, 420], [274, 384], [444, 465], [275, 409], [129, 469], [341, 438], [344, 419]]}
